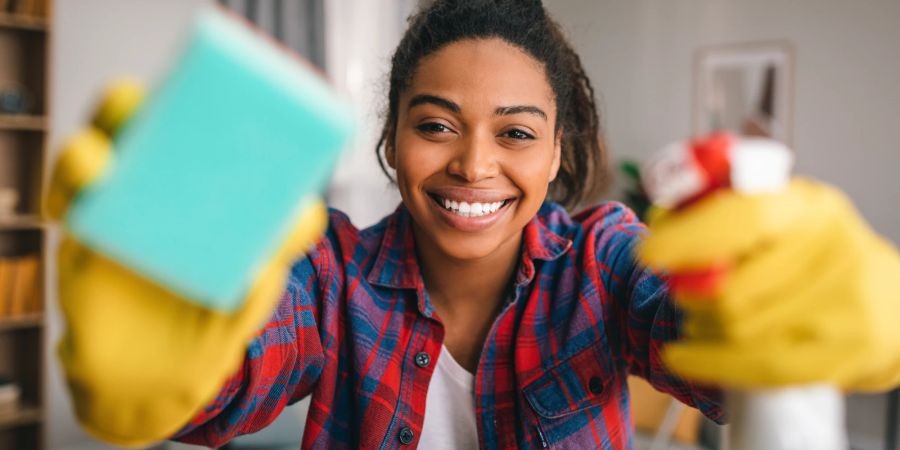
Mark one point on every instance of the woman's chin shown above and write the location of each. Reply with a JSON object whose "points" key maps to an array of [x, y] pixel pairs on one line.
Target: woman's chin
{"points": [[466, 252], [468, 248]]}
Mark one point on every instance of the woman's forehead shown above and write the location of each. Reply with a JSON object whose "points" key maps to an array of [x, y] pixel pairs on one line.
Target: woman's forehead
{"points": [[483, 72]]}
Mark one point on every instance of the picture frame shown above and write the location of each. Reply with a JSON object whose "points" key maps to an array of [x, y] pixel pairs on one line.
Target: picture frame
{"points": [[747, 89]]}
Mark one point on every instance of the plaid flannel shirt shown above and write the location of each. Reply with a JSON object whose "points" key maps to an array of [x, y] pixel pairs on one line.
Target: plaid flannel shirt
{"points": [[581, 315]]}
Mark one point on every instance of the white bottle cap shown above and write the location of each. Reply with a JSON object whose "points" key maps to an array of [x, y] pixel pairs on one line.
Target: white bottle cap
{"points": [[760, 165]]}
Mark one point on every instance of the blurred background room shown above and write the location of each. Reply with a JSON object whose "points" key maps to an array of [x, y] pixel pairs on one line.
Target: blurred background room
{"points": [[821, 75]]}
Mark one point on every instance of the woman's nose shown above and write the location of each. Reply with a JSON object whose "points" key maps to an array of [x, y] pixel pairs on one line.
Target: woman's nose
{"points": [[475, 160]]}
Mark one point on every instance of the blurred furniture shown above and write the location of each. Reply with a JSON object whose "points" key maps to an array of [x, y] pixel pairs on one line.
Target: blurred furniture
{"points": [[892, 426], [660, 421], [24, 28]]}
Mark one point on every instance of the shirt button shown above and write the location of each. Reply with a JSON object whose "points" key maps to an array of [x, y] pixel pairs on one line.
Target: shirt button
{"points": [[406, 435], [422, 359], [595, 385]]}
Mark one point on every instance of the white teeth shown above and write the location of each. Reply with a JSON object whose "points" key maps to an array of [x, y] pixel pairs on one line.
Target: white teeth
{"points": [[473, 209]]}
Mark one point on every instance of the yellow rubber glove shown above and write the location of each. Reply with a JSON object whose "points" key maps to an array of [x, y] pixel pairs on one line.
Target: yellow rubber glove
{"points": [[810, 293], [139, 360]]}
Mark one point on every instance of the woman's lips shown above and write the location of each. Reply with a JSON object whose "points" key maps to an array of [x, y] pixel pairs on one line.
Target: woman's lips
{"points": [[472, 215], [461, 194]]}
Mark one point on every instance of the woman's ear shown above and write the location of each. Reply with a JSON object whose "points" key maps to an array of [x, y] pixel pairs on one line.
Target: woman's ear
{"points": [[557, 154], [390, 148]]}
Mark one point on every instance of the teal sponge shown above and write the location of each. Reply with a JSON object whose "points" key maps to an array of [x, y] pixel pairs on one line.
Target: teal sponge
{"points": [[212, 171]]}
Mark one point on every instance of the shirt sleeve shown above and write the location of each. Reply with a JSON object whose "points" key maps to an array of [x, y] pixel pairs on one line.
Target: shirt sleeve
{"points": [[642, 316], [283, 362]]}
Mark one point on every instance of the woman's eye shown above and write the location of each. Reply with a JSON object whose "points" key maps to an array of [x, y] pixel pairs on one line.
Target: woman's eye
{"points": [[433, 127], [518, 134]]}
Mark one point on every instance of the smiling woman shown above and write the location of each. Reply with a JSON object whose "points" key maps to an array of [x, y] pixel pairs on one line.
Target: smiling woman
{"points": [[479, 313], [473, 130]]}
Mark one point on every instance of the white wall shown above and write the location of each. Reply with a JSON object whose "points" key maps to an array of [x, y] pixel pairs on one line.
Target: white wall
{"points": [[640, 53]]}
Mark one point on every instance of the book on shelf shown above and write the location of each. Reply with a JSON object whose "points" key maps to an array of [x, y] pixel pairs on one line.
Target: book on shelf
{"points": [[42, 8], [5, 282], [26, 7], [19, 286], [30, 8], [24, 285]]}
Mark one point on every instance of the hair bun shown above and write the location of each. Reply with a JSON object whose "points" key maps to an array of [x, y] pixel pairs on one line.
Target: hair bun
{"points": [[534, 7]]}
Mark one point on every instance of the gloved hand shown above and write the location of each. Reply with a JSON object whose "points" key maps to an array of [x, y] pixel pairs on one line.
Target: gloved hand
{"points": [[809, 293], [139, 360]]}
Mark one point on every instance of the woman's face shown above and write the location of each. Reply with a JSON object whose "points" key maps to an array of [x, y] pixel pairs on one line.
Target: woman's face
{"points": [[475, 148]]}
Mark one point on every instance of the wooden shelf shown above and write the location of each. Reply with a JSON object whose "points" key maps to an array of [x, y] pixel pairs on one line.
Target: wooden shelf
{"points": [[29, 222], [22, 22], [23, 122], [24, 60], [26, 415], [29, 320]]}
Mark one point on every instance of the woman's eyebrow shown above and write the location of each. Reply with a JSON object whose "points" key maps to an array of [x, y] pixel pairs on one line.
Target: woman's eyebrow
{"points": [[422, 99], [508, 110]]}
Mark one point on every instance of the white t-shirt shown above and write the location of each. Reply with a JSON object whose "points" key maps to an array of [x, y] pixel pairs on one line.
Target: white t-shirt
{"points": [[450, 407]]}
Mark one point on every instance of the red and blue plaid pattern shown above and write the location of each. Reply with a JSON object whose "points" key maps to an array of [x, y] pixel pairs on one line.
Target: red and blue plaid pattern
{"points": [[581, 316]]}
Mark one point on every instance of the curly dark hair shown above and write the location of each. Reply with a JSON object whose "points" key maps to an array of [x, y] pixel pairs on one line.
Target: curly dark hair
{"points": [[525, 24]]}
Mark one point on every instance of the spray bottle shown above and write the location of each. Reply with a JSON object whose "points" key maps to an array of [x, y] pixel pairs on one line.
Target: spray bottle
{"points": [[809, 417]]}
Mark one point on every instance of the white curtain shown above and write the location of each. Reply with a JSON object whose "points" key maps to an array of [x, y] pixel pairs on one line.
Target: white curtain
{"points": [[297, 23]]}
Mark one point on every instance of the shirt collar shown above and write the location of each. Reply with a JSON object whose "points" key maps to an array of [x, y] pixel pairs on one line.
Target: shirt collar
{"points": [[396, 265], [539, 242]]}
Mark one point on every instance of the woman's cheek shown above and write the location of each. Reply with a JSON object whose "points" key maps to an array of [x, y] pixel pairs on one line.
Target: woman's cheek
{"points": [[530, 172]]}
